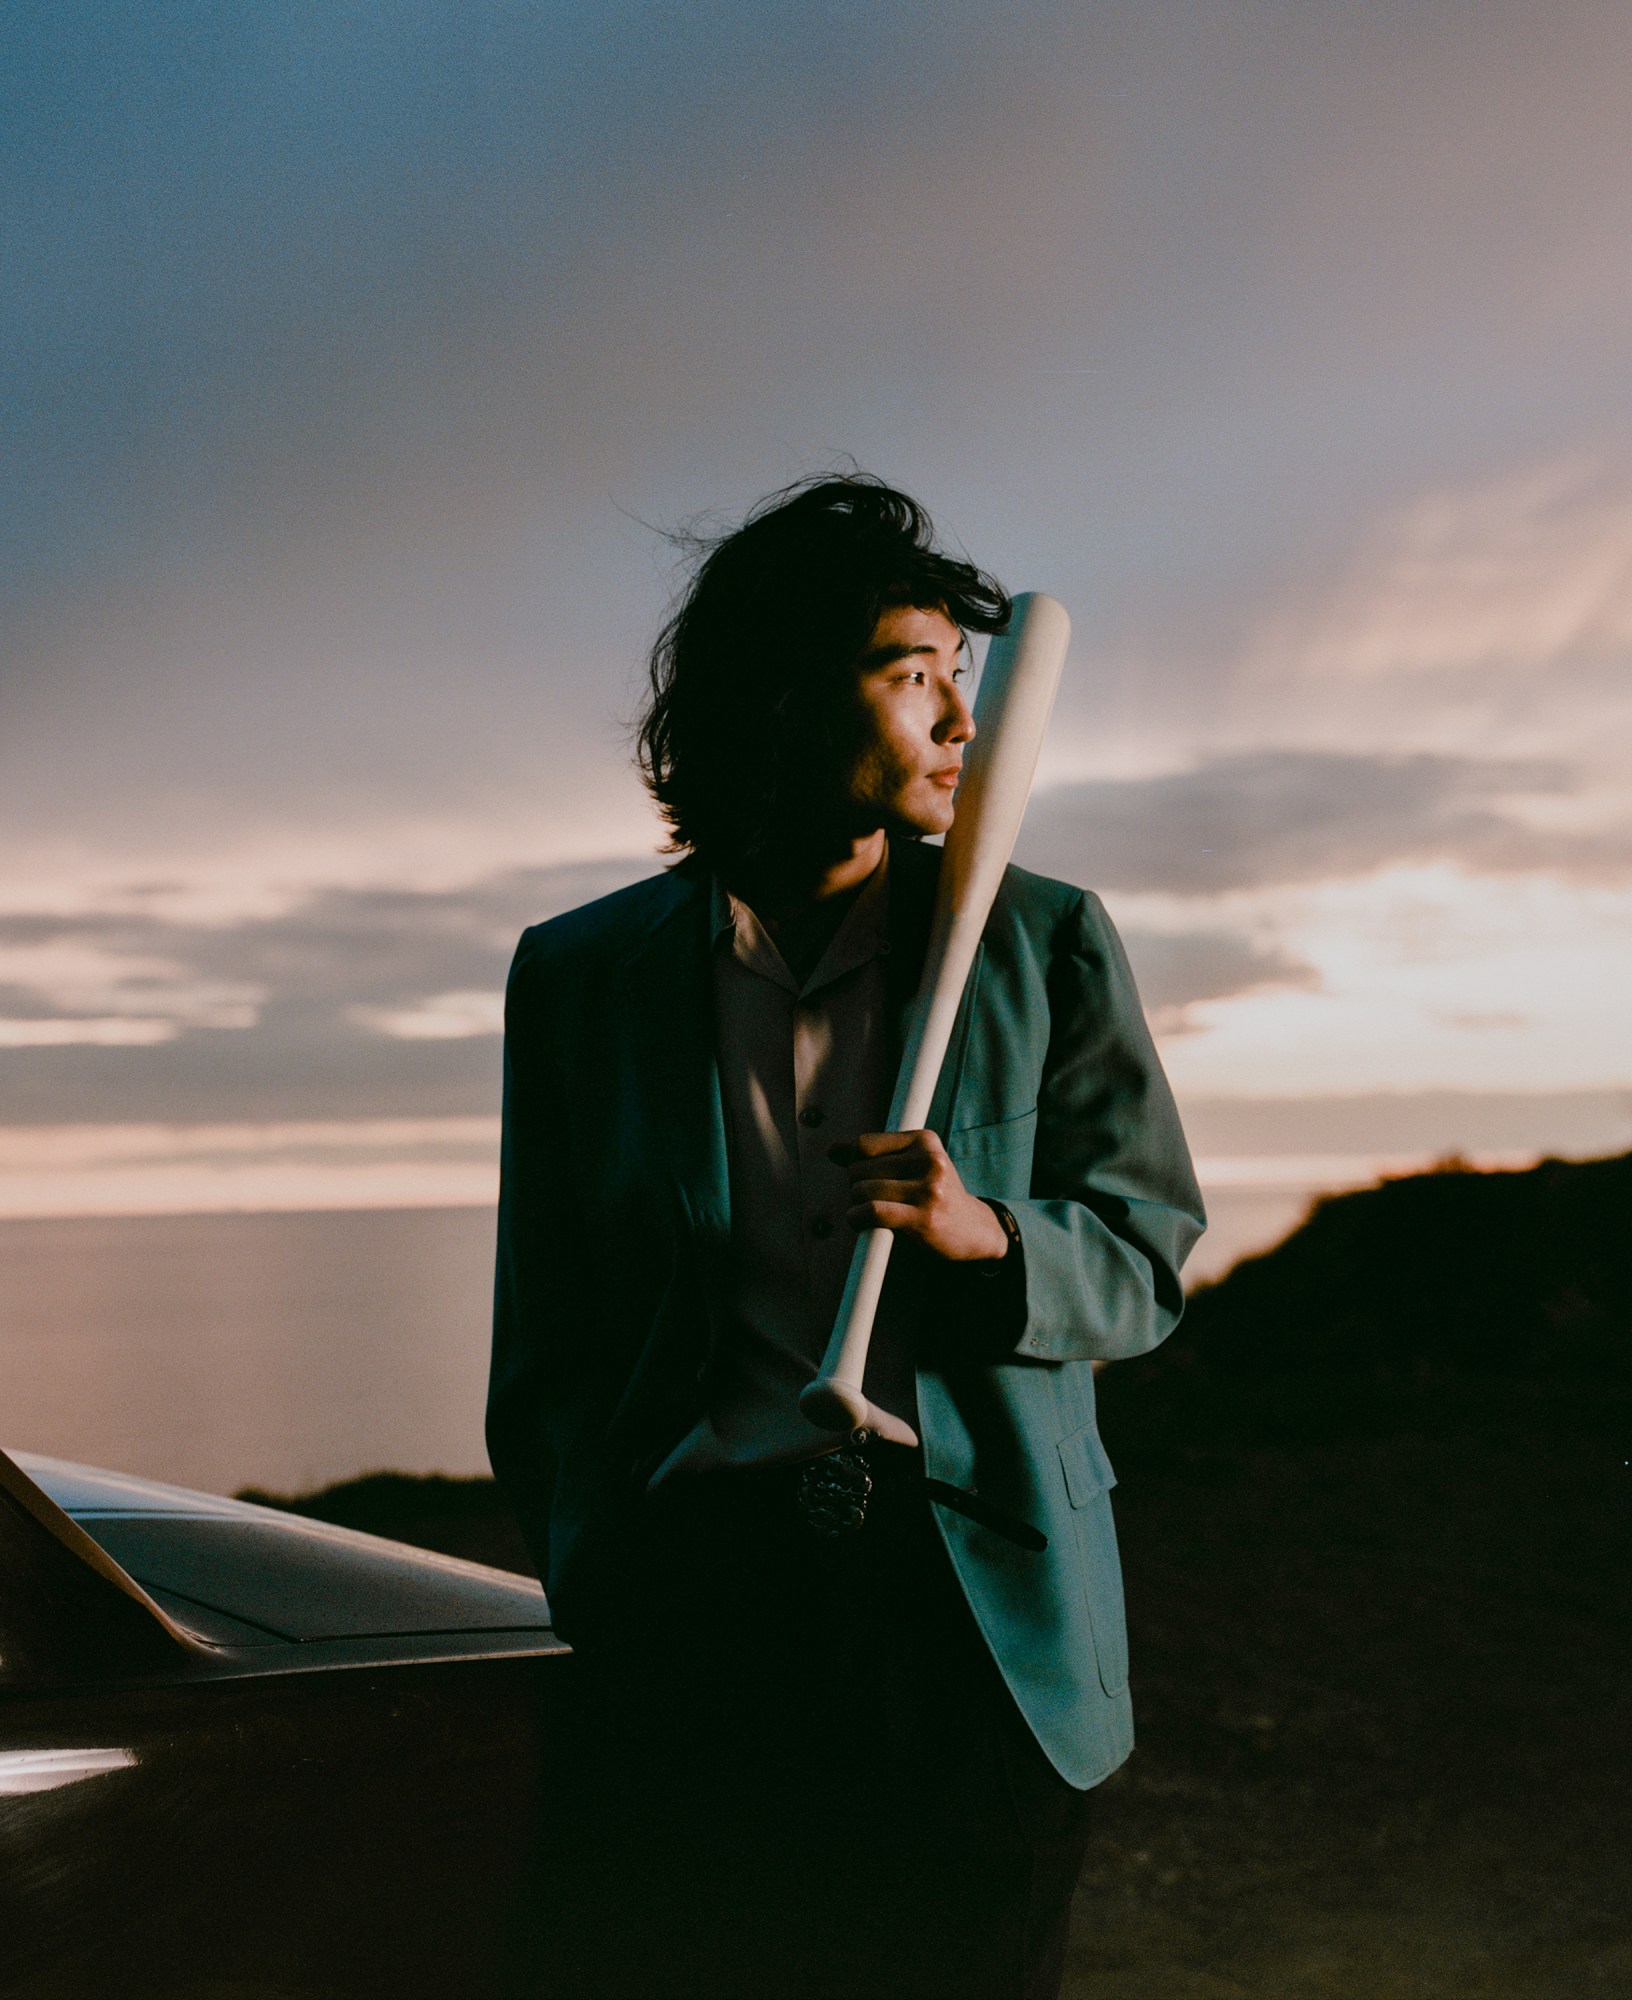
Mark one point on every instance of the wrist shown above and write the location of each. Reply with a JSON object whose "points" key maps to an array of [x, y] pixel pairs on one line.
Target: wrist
{"points": [[1010, 1232]]}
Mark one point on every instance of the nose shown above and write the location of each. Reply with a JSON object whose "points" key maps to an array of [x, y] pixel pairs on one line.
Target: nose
{"points": [[956, 723]]}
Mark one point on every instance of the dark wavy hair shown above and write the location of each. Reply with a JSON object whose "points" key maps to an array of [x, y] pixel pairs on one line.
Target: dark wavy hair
{"points": [[751, 711]]}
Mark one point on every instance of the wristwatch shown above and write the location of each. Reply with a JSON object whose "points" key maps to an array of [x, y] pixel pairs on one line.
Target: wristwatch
{"points": [[989, 1268]]}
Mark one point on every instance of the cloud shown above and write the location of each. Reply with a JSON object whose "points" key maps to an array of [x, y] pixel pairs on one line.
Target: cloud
{"points": [[1526, 571], [170, 1169], [369, 1003], [1177, 971], [1266, 817], [442, 1017], [364, 948], [56, 1032], [1424, 1121], [350, 1003]]}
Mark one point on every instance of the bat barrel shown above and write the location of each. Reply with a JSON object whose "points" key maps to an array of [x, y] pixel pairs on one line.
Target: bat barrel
{"points": [[1011, 717]]}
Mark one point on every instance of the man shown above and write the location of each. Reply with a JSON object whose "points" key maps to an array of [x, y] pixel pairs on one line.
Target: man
{"points": [[841, 1713]]}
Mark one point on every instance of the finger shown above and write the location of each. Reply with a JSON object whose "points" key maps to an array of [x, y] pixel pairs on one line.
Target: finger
{"points": [[884, 1215], [908, 1166], [908, 1193], [925, 1140], [907, 1159], [869, 1145]]}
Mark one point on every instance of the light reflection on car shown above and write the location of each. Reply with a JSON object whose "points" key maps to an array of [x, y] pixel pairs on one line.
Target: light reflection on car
{"points": [[246, 1753]]}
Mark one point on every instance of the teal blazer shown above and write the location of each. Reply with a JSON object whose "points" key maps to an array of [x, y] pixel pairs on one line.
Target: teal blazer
{"points": [[614, 1241]]}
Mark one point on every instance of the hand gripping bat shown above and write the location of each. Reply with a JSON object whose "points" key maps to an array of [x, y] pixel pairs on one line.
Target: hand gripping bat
{"points": [[1011, 715]]}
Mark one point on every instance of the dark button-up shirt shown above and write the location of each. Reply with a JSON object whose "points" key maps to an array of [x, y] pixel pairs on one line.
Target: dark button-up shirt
{"points": [[802, 1067]]}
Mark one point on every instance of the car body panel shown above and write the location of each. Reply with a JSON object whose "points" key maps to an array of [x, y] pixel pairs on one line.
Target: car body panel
{"points": [[257, 1589], [246, 1753], [314, 1836]]}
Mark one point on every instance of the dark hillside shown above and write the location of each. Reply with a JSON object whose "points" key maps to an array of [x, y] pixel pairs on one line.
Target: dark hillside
{"points": [[1478, 1273], [1376, 1515]]}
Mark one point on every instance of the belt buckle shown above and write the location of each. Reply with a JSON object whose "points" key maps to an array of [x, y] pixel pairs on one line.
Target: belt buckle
{"points": [[833, 1489]]}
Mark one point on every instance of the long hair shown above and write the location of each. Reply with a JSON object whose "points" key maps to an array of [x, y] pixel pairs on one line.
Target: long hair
{"points": [[751, 710]]}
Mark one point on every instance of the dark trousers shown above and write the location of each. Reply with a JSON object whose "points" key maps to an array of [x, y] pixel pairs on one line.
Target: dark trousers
{"points": [[804, 1777]]}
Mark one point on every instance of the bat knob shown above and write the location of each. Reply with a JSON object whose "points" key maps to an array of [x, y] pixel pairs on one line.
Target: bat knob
{"points": [[840, 1406], [836, 1406]]}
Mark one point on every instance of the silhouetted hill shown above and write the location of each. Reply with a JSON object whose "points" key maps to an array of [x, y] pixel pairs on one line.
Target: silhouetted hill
{"points": [[1376, 1518], [1475, 1273]]}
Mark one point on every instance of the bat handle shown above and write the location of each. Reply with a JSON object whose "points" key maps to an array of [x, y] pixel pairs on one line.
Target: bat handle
{"points": [[836, 1400]]}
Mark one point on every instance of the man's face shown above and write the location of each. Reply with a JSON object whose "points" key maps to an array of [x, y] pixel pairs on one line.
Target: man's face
{"points": [[915, 723]]}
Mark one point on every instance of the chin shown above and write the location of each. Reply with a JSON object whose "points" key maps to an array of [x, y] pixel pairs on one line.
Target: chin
{"points": [[917, 815], [920, 825]]}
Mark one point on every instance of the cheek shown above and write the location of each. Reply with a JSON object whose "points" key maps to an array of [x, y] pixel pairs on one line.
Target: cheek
{"points": [[884, 756], [900, 747], [891, 771], [873, 776]]}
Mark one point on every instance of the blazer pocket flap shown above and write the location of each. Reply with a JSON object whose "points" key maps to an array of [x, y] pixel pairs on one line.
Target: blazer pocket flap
{"points": [[1087, 1469], [1001, 1135]]}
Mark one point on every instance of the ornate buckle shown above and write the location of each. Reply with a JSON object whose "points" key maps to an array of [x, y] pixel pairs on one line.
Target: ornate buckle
{"points": [[832, 1491]]}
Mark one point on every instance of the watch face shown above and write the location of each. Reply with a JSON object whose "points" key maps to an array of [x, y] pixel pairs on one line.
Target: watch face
{"points": [[833, 1492]]}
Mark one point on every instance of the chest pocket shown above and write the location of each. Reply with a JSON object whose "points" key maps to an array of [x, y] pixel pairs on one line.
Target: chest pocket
{"points": [[1088, 1482], [1001, 1149]]}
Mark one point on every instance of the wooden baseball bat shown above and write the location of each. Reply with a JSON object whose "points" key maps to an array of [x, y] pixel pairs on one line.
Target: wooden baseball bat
{"points": [[1012, 709]]}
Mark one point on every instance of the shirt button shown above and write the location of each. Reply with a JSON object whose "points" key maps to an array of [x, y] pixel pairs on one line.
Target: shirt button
{"points": [[811, 1116], [821, 1229]]}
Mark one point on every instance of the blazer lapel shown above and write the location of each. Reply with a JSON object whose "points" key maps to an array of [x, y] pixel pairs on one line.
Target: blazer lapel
{"points": [[669, 1018], [915, 871]]}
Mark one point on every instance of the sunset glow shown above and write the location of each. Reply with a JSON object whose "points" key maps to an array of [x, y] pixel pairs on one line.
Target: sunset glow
{"points": [[326, 621]]}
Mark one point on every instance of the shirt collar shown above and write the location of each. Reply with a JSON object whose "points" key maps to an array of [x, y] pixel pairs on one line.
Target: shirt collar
{"points": [[722, 909], [863, 935]]}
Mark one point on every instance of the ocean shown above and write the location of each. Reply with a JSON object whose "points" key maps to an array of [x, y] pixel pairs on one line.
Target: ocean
{"points": [[290, 1350]]}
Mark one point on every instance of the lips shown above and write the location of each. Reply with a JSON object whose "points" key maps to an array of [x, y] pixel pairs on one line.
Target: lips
{"points": [[949, 776]]}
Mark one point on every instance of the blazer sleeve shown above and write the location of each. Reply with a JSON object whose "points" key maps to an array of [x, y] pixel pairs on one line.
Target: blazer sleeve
{"points": [[1114, 1208]]}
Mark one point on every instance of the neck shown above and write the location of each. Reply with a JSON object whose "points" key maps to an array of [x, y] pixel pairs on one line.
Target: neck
{"points": [[797, 881]]}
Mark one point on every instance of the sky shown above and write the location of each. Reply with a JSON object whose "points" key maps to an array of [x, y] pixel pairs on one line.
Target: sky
{"points": [[357, 358]]}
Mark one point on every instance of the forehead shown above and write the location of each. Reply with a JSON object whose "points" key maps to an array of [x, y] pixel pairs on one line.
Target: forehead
{"points": [[906, 630]]}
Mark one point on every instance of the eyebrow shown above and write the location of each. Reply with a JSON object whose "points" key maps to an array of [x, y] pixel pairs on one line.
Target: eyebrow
{"points": [[887, 656]]}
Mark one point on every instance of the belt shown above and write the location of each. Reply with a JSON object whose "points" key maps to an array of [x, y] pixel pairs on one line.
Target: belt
{"points": [[833, 1491]]}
